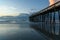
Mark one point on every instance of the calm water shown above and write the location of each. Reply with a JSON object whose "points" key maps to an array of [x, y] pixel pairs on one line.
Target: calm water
{"points": [[19, 32]]}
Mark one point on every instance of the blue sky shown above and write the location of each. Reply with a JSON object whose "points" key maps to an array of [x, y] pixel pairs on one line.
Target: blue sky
{"points": [[15, 7]]}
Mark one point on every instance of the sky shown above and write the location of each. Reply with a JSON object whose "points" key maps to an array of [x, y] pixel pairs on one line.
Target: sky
{"points": [[16, 7]]}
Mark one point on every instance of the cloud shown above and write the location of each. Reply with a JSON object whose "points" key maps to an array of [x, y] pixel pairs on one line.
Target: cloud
{"points": [[8, 10], [53, 1]]}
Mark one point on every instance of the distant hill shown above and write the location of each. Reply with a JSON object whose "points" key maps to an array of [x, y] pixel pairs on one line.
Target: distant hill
{"points": [[22, 18]]}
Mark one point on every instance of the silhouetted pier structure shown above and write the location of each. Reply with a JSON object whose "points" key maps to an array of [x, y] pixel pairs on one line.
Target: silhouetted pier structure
{"points": [[48, 21]]}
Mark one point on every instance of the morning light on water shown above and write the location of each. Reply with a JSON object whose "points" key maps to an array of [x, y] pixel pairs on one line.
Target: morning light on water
{"points": [[29, 20]]}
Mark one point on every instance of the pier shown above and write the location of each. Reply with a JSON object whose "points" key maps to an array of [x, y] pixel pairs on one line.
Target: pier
{"points": [[47, 21]]}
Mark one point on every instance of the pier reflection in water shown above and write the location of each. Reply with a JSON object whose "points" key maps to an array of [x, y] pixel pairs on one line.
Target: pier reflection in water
{"points": [[19, 32]]}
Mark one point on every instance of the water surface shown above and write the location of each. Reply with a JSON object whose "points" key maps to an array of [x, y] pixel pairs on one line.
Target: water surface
{"points": [[19, 32]]}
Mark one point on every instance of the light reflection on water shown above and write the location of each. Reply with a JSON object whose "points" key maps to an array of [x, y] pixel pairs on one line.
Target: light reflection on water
{"points": [[18, 32], [6, 28], [10, 28]]}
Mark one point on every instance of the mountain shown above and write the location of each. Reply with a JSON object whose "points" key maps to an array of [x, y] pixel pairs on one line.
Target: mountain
{"points": [[22, 18]]}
